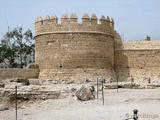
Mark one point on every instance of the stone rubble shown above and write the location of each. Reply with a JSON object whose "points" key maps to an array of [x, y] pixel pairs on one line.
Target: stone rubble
{"points": [[85, 93], [51, 89]]}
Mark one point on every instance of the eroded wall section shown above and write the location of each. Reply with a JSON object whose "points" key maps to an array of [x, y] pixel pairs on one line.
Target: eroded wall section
{"points": [[138, 59]]}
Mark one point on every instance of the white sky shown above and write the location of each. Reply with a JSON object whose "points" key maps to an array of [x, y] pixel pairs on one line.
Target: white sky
{"points": [[133, 18]]}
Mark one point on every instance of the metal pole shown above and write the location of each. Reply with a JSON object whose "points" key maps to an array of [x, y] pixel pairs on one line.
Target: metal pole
{"points": [[102, 92], [16, 100], [135, 114], [97, 88], [132, 80], [117, 83]]}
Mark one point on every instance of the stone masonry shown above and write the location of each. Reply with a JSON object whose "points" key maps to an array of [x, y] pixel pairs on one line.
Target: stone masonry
{"points": [[72, 51]]}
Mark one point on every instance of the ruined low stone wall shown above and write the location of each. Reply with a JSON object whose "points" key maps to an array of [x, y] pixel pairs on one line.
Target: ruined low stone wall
{"points": [[139, 75], [18, 73]]}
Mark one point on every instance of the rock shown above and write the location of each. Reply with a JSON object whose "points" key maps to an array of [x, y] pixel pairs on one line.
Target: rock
{"points": [[34, 87], [113, 80], [2, 85], [130, 85], [110, 86], [24, 81], [32, 66], [69, 82], [121, 85], [64, 81], [20, 80], [87, 80], [92, 89], [73, 89], [12, 86], [155, 81], [4, 107], [13, 80], [23, 107], [43, 98], [54, 82], [102, 80], [34, 82], [84, 93], [130, 79], [107, 81], [146, 80], [150, 87]]}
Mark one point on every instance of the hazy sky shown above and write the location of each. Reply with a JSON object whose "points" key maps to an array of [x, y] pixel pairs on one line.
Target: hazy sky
{"points": [[133, 18]]}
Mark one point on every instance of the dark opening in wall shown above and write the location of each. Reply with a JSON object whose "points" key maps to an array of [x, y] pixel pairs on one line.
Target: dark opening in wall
{"points": [[60, 66]]}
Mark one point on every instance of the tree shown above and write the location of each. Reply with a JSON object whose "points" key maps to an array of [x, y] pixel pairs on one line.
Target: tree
{"points": [[7, 56], [19, 46]]}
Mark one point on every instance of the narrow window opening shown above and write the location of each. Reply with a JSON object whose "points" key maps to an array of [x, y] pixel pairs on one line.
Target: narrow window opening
{"points": [[60, 66]]}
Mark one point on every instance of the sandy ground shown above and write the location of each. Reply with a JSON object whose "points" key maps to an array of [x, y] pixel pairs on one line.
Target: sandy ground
{"points": [[118, 106]]}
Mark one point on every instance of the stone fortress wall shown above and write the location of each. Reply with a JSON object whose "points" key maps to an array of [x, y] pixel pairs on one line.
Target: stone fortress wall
{"points": [[70, 50], [31, 71], [73, 51], [138, 59]]}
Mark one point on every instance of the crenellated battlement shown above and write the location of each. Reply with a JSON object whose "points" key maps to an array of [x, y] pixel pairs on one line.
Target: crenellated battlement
{"points": [[67, 49], [70, 24]]}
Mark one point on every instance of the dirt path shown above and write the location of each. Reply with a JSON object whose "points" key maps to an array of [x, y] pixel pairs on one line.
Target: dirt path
{"points": [[117, 107]]}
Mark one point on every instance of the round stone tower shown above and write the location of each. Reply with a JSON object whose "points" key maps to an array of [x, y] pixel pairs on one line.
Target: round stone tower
{"points": [[72, 50]]}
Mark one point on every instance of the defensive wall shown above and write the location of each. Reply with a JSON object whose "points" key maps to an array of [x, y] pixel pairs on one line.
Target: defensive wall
{"points": [[7, 73], [138, 59], [28, 72], [70, 50]]}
